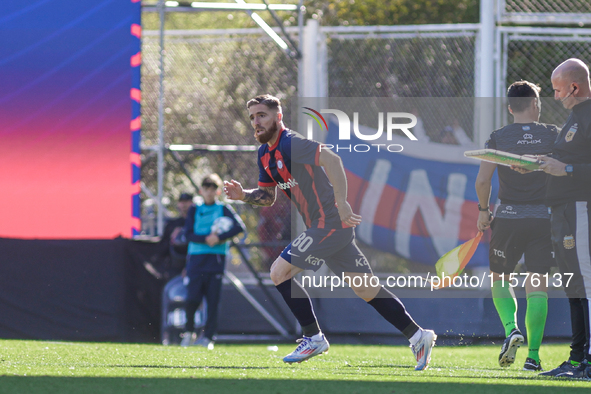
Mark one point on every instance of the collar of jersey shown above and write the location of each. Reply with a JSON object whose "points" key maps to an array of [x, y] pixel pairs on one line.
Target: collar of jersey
{"points": [[277, 141]]}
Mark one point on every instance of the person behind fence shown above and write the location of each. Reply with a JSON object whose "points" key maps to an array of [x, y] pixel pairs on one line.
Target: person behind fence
{"points": [[568, 194], [522, 223], [314, 179], [208, 228], [171, 256]]}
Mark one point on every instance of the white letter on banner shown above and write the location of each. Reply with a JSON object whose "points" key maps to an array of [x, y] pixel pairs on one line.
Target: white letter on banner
{"points": [[371, 199], [344, 123], [443, 228]]}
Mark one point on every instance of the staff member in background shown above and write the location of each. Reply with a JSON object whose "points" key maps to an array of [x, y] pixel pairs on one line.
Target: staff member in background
{"points": [[568, 195], [171, 256], [208, 228]]}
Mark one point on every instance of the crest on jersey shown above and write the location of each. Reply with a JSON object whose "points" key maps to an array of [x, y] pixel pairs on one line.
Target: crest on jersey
{"points": [[571, 132], [568, 242], [279, 164]]}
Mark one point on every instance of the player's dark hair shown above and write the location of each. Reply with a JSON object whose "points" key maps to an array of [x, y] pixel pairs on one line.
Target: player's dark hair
{"points": [[271, 102], [519, 91]]}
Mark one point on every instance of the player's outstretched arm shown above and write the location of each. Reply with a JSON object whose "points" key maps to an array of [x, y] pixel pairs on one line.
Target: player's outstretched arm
{"points": [[333, 166], [263, 196]]}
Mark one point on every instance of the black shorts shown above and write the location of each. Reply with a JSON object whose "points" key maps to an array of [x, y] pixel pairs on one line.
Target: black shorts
{"points": [[334, 247], [512, 238]]}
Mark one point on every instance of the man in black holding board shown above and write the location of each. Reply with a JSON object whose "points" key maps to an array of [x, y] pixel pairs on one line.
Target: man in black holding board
{"points": [[568, 194]]}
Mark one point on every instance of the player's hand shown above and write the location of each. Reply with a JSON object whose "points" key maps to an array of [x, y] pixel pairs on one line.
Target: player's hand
{"points": [[347, 216], [552, 166], [212, 240], [233, 190], [484, 219], [520, 170]]}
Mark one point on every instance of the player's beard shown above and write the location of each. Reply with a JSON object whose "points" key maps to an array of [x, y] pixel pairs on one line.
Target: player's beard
{"points": [[267, 135]]}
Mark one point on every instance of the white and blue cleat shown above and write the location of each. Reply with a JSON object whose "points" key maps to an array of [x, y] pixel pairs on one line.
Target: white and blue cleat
{"points": [[307, 348], [423, 348]]}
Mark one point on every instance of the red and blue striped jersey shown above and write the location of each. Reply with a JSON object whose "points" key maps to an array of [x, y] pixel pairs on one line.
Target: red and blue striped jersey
{"points": [[292, 164]]}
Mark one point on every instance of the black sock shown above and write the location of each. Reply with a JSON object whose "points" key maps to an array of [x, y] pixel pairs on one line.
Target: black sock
{"points": [[392, 309], [298, 301], [190, 309]]}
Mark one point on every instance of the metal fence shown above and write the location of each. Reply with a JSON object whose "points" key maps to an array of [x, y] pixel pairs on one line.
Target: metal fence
{"points": [[547, 6], [533, 53], [410, 62], [210, 74]]}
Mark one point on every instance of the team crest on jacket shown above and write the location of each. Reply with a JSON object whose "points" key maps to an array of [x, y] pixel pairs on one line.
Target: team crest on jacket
{"points": [[571, 132], [279, 164], [568, 242]]}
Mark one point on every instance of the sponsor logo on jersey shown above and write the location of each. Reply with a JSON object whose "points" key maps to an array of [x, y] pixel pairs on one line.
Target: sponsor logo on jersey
{"points": [[525, 128], [509, 210], [571, 132], [568, 242], [314, 260], [360, 262], [287, 185], [528, 139], [499, 253]]}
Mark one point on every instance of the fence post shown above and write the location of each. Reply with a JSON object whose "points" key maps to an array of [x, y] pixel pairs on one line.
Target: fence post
{"points": [[313, 72], [484, 113], [160, 168], [309, 74]]}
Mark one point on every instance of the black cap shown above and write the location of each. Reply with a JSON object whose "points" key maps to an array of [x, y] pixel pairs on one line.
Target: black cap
{"points": [[186, 197]]}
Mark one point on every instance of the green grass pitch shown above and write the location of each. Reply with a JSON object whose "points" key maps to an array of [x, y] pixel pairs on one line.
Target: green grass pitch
{"points": [[63, 367]]}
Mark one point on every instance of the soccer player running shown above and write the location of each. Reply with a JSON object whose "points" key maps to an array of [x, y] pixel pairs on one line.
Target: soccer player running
{"points": [[568, 195], [521, 225], [295, 164]]}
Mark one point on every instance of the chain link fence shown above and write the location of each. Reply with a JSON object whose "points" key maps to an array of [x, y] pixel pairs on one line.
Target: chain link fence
{"points": [[548, 6], [409, 65], [208, 78], [533, 57]]}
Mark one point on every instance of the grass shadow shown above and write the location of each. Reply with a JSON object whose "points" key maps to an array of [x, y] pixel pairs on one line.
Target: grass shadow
{"points": [[83, 385]]}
